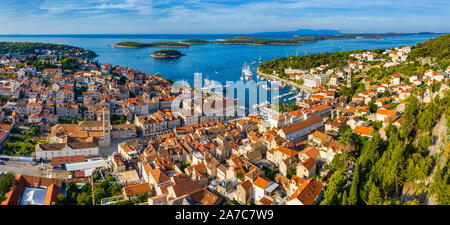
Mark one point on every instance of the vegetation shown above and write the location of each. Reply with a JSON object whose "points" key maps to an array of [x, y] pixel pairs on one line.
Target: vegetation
{"points": [[291, 171], [106, 188], [7, 181], [288, 107], [440, 186], [269, 173], [83, 196], [239, 176], [384, 167], [166, 54], [116, 119], [332, 59], [438, 48], [333, 194], [256, 41], [26, 48], [195, 41], [21, 142], [70, 63], [131, 44]]}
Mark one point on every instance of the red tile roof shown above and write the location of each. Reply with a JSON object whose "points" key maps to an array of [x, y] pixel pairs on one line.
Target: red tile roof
{"points": [[363, 130]]}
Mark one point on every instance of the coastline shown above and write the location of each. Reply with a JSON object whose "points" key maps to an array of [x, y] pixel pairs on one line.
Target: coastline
{"points": [[288, 82], [163, 57], [121, 46], [162, 46]]}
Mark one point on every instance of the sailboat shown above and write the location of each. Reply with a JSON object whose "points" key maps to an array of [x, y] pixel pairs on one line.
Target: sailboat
{"points": [[259, 59]]}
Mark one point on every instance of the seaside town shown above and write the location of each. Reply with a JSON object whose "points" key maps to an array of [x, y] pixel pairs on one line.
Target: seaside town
{"points": [[77, 132]]}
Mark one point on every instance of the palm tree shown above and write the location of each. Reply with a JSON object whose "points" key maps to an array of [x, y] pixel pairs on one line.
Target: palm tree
{"points": [[350, 142]]}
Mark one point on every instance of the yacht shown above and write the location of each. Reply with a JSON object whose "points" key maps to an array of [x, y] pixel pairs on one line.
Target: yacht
{"points": [[248, 74]]}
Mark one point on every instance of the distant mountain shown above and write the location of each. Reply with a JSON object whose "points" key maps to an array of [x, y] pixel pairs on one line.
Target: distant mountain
{"points": [[300, 32]]}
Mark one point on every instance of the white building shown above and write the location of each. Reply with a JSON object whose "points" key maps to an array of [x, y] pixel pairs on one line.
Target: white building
{"points": [[314, 80], [47, 151]]}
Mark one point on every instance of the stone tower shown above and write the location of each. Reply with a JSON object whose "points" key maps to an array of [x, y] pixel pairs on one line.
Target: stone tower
{"points": [[106, 128]]}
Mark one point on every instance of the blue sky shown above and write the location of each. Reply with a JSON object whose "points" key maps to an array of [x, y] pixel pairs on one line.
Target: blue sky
{"points": [[220, 16]]}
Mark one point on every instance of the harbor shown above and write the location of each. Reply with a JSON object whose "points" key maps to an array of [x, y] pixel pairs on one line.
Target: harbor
{"points": [[290, 83]]}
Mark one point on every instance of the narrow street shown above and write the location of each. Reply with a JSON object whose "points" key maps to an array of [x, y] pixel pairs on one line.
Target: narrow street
{"points": [[434, 149]]}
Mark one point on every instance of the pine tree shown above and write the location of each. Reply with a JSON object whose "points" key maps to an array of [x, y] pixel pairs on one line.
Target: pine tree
{"points": [[374, 196], [332, 194], [344, 198]]}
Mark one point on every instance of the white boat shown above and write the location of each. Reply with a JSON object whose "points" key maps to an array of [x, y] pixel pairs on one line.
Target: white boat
{"points": [[248, 74], [215, 71]]}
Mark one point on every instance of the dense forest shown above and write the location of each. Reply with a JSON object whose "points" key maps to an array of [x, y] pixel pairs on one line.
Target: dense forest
{"points": [[25, 48], [438, 48]]}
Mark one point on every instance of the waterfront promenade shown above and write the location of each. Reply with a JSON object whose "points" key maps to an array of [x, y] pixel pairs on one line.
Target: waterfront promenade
{"points": [[288, 82]]}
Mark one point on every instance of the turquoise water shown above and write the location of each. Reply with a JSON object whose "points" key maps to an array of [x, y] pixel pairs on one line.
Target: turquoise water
{"points": [[227, 60]]}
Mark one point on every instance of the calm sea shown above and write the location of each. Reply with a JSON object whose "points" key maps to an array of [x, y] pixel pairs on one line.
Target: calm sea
{"points": [[227, 60], [216, 62]]}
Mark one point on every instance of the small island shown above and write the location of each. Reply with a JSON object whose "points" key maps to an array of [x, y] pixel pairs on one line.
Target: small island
{"points": [[166, 54], [195, 41]]}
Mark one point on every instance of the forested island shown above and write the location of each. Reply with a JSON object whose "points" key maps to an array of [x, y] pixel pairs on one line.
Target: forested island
{"points": [[195, 41], [131, 44], [244, 40], [165, 54], [26, 48]]}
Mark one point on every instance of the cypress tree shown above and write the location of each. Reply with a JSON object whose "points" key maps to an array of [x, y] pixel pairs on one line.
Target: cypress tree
{"points": [[344, 198]]}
